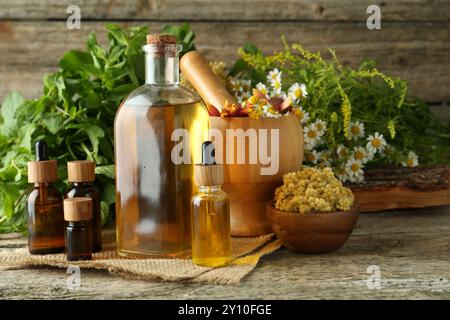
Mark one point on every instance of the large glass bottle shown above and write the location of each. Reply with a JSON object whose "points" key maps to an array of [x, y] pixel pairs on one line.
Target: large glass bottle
{"points": [[154, 161]]}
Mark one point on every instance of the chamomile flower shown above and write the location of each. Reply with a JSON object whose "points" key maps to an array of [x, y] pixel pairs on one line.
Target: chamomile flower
{"points": [[262, 88], [321, 126], [356, 130], [269, 111], [341, 174], [273, 75], [311, 134], [301, 114], [362, 154], [297, 91], [412, 161], [312, 156], [354, 170], [276, 87], [375, 143], [342, 151]]}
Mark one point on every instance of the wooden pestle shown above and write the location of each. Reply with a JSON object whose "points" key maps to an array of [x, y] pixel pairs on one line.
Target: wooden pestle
{"points": [[196, 70]]}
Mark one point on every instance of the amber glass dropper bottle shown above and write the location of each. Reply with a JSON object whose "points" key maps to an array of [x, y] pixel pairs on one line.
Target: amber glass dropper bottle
{"points": [[81, 175], [44, 205], [78, 215], [210, 213]]}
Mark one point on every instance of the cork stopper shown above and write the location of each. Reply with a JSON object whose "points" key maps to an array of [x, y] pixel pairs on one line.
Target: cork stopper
{"points": [[161, 39], [78, 209], [81, 171], [42, 171]]}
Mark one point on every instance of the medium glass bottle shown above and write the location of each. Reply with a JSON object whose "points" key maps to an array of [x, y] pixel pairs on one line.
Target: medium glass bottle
{"points": [[81, 175], [78, 215], [154, 179], [44, 205], [210, 214]]}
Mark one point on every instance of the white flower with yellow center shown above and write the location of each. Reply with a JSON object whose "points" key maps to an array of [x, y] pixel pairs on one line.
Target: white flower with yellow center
{"points": [[342, 151], [356, 130], [273, 75], [412, 161], [262, 88], [376, 143], [301, 114], [341, 174], [311, 135], [321, 126], [312, 156], [276, 87], [297, 91], [362, 154], [354, 170]]}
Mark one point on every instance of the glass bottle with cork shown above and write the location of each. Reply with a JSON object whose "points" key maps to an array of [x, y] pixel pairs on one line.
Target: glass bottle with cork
{"points": [[154, 179], [44, 205], [210, 213], [78, 216], [81, 175]]}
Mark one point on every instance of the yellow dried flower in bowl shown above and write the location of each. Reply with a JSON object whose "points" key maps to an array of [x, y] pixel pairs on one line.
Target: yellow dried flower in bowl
{"points": [[313, 190]]}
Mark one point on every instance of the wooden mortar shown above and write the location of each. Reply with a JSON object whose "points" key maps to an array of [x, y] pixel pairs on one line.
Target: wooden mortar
{"points": [[247, 188]]}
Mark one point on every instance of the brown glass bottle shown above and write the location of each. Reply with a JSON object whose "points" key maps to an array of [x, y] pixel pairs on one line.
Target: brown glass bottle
{"points": [[81, 175], [78, 215], [44, 206]]}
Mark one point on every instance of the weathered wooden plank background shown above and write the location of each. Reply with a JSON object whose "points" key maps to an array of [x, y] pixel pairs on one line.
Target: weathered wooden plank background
{"points": [[413, 43]]}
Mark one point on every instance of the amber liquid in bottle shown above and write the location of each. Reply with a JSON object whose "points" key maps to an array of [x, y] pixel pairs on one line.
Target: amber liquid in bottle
{"points": [[211, 227], [153, 193], [45, 220]]}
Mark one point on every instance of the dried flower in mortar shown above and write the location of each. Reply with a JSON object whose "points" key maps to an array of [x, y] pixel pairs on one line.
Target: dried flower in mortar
{"points": [[229, 110], [312, 190], [254, 107]]}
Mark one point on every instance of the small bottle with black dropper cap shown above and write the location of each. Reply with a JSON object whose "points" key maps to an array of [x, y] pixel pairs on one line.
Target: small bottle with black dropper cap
{"points": [[210, 213], [81, 175], [44, 205]]}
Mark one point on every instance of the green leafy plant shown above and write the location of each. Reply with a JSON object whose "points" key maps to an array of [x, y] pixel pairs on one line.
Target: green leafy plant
{"points": [[75, 116]]}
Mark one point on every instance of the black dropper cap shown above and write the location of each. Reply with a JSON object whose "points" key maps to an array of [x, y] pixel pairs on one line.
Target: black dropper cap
{"points": [[41, 151], [208, 153]]}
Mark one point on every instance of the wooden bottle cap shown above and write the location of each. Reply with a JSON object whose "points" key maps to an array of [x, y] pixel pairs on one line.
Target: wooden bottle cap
{"points": [[208, 175], [81, 171], [42, 171], [161, 39], [78, 209]]}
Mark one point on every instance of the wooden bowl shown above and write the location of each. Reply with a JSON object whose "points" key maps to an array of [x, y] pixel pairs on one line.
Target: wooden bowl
{"points": [[312, 232], [248, 189]]}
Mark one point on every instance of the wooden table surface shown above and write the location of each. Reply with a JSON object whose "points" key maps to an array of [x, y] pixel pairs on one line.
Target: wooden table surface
{"points": [[410, 247]]}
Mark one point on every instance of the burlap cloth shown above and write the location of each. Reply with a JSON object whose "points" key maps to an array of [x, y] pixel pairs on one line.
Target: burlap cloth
{"points": [[246, 252]]}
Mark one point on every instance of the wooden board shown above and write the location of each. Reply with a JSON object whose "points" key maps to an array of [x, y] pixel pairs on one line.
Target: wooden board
{"points": [[229, 10], [416, 51], [410, 247], [397, 188]]}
